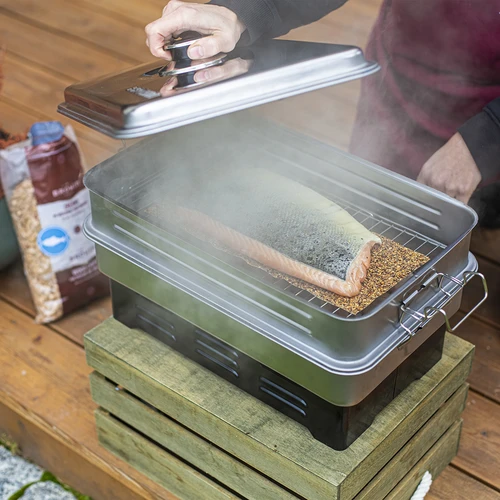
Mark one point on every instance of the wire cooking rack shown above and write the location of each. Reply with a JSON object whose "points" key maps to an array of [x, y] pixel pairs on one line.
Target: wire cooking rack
{"points": [[380, 225]]}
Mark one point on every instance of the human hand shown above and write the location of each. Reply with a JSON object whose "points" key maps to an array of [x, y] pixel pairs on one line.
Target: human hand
{"points": [[452, 170], [223, 26]]}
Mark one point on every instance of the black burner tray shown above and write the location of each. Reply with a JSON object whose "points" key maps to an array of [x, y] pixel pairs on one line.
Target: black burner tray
{"points": [[335, 426]]}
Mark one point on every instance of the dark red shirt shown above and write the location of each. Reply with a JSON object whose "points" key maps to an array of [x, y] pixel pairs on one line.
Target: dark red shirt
{"points": [[440, 73], [440, 64]]}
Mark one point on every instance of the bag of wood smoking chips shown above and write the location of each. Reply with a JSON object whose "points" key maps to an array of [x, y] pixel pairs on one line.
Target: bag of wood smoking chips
{"points": [[43, 182]]}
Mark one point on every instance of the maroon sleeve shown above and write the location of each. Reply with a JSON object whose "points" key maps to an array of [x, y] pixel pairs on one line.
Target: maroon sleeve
{"points": [[482, 135]]}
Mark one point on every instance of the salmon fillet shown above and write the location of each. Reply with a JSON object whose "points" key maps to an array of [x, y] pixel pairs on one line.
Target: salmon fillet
{"points": [[283, 225]]}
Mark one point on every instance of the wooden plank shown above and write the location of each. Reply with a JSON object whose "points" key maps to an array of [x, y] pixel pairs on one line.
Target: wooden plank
{"points": [[46, 392], [308, 114], [136, 13], [434, 461], [416, 448], [486, 243], [489, 311], [66, 56], [37, 91], [89, 27], [155, 462], [260, 436], [485, 375], [16, 120], [334, 29], [180, 441], [453, 484], [480, 447]]}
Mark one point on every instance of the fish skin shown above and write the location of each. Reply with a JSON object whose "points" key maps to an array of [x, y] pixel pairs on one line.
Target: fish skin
{"points": [[308, 236]]}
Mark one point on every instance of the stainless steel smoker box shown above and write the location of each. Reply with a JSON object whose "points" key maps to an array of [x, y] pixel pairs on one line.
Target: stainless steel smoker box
{"points": [[337, 356], [328, 369]]}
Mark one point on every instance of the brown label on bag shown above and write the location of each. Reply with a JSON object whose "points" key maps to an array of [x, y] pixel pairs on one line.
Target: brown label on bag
{"points": [[80, 285], [56, 171]]}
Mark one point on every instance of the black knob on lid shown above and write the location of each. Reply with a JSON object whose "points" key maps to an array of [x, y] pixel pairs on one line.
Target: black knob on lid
{"points": [[181, 66], [179, 46]]}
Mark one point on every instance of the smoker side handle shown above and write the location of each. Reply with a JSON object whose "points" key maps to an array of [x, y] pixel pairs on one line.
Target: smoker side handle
{"points": [[469, 276], [430, 312]]}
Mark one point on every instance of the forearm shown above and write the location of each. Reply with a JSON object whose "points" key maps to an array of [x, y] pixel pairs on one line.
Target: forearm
{"points": [[482, 136], [272, 18]]}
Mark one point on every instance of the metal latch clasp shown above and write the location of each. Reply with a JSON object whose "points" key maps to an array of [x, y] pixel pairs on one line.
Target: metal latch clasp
{"points": [[430, 312]]}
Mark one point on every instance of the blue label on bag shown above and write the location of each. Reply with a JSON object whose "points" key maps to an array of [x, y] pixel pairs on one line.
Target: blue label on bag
{"points": [[53, 241]]}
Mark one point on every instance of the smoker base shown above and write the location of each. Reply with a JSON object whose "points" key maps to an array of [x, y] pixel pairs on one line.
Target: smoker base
{"points": [[335, 426]]}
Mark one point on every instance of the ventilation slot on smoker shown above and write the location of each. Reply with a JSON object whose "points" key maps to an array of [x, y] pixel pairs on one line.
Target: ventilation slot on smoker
{"points": [[163, 327], [283, 396], [217, 352]]}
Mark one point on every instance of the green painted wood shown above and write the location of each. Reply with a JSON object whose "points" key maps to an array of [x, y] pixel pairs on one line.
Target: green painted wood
{"points": [[195, 450], [416, 448], [259, 435], [434, 461], [235, 474], [156, 463]]}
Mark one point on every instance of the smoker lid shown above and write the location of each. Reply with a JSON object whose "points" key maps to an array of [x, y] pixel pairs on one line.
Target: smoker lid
{"points": [[155, 97]]}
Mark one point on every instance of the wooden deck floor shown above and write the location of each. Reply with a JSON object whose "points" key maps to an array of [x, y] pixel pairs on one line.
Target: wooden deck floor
{"points": [[45, 403]]}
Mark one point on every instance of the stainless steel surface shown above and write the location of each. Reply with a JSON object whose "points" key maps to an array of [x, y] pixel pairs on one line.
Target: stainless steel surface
{"points": [[133, 104], [339, 357], [276, 342], [174, 69]]}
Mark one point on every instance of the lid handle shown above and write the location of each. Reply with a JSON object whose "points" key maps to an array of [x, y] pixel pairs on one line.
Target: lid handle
{"points": [[182, 66], [179, 46]]}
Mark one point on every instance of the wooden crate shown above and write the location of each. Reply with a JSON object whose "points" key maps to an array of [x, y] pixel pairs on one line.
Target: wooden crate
{"points": [[201, 437]]}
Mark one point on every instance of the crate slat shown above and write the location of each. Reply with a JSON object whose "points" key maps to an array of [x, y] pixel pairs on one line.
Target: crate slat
{"points": [[213, 461], [434, 461], [168, 471]]}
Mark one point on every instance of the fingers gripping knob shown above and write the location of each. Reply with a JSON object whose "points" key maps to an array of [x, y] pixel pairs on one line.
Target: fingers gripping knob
{"points": [[179, 46], [182, 66]]}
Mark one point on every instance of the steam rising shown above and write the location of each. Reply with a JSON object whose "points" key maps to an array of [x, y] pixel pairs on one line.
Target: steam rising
{"points": [[280, 213], [212, 167]]}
